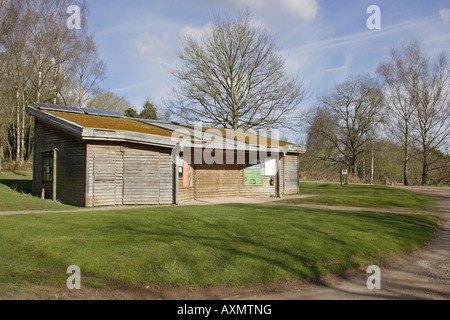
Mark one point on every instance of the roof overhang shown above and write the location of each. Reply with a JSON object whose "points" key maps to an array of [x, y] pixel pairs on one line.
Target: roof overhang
{"points": [[206, 141], [100, 134]]}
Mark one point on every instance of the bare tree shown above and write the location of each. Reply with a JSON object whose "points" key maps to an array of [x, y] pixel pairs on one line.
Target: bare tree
{"points": [[88, 69], [234, 77], [16, 46], [3, 12], [399, 102], [108, 100], [37, 62], [433, 111], [419, 98], [45, 17], [355, 107], [318, 145], [65, 47]]}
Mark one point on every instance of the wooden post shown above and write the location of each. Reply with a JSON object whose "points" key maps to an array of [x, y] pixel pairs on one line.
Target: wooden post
{"points": [[278, 178], [175, 160], [55, 170]]}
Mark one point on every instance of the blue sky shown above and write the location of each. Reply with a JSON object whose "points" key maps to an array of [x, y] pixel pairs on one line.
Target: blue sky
{"points": [[324, 41]]}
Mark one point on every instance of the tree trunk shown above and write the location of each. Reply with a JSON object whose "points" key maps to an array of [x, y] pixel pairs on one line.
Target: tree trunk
{"points": [[39, 85], [425, 169], [406, 155], [405, 173], [18, 151], [364, 168], [22, 125], [30, 149], [371, 161], [55, 79]]}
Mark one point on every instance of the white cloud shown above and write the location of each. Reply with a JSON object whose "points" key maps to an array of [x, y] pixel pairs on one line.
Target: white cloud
{"points": [[253, 4], [445, 15], [149, 44], [304, 9], [197, 32]]}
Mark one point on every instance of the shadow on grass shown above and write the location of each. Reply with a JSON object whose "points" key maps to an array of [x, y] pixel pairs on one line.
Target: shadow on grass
{"points": [[24, 186]]}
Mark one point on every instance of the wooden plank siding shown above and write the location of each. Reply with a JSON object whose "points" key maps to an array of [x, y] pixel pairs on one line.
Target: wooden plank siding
{"points": [[281, 175], [226, 180], [102, 173], [71, 164], [185, 194], [129, 175], [106, 175], [291, 174]]}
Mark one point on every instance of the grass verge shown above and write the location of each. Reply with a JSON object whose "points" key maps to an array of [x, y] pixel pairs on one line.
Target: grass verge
{"points": [[360, 196], [201, 245], [15, 194]]}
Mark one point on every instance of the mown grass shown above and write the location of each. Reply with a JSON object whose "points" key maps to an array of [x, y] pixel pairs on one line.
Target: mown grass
{"points": [[15, 194], [360, 196], [200, 245]]}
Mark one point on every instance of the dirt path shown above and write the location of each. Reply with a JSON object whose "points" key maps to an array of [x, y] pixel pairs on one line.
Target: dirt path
{"points": [[422, 275]]}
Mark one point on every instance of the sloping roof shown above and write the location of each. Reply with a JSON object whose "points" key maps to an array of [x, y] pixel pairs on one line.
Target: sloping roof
{"points": [[112, 123], [92, 126], [244, 137]]}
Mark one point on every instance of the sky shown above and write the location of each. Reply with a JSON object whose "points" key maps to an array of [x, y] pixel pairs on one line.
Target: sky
{"points": [[324, 41]]}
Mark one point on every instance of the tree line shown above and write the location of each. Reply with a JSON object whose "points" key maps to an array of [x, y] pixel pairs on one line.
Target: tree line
{"points": [[42, 60], [234, 76], [403, 109]]}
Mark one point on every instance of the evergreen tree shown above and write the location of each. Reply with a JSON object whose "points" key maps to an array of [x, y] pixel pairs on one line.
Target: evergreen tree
{"points": [[131, 113], [149, 111]]}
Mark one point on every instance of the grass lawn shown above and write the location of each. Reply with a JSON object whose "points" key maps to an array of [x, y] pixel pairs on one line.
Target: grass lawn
{"points": [[14, 194], [200, 245], [360, 196]]}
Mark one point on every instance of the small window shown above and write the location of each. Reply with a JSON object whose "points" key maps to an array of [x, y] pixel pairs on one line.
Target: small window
{"points": [[47, 166]]}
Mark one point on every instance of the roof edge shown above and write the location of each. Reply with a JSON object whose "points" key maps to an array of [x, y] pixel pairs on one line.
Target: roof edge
{"points": [[65, 125]]}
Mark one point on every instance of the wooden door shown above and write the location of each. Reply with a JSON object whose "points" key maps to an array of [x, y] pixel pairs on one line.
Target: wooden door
{"points": [[108, 178]]}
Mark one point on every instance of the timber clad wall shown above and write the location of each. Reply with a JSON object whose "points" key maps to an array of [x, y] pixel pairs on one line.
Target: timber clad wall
{"points": [[105, 178], [227, 180], [129, 174], [71, 164], [101, 173], [291, 174], [185, 194], [282, 173]]}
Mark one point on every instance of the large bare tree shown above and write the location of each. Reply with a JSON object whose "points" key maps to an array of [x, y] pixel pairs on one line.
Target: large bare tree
{"points": [[234, 77], [353, 111], [399, 102], [419, 88], [105, 99], [88, 69]]}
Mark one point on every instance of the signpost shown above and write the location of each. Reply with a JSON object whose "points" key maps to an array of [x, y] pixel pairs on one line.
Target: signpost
{"points": [[343, 173]]}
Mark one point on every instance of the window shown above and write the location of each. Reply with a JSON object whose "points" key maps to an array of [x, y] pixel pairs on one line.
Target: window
{"points": [[47, 166]]}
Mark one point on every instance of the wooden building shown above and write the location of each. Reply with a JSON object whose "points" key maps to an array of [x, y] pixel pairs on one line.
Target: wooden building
{"points": [[87, 157]]}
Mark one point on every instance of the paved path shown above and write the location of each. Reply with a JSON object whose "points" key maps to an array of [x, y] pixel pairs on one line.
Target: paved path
{"points": [[422, 275]]}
